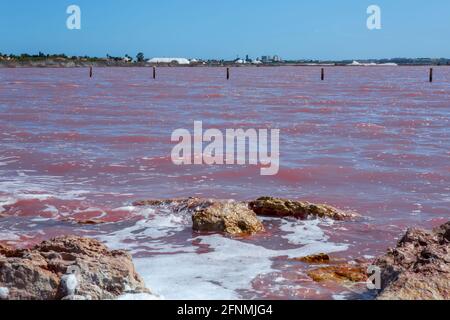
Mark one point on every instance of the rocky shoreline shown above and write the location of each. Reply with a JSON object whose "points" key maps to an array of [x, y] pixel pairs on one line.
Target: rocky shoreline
{"points": [[76, 268], [68, 268]]}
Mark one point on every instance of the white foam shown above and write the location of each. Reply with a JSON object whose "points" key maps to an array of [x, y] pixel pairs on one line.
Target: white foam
{"points": [[139, 296], [6, 201], [340, 296], [31, 187], [153, 227], [39, 186], [304, 231], [215, 275], [51, 209], [8, 236], [4, 161], [178, 271]]}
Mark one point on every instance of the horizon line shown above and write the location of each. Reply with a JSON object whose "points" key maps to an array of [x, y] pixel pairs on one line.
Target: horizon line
{"points": [[106, 56]]}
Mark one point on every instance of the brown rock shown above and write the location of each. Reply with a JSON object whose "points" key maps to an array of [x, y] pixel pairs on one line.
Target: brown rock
{"points": [[41, 273], [90, 222], [230, 217], [268, 206], [143, 203], [418, 268], [340, 273], [4, 249], [87, 221], [265, 206], [315, 259]]}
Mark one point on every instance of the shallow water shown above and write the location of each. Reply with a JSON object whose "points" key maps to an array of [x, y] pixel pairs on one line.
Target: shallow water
{"points": [[371, 139]]}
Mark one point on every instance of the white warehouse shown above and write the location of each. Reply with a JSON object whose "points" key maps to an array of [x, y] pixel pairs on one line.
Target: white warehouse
{"points": [[169, 60]]}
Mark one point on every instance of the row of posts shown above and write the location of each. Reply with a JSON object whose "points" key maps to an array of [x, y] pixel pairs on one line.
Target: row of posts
{"points": [[322, 73]]}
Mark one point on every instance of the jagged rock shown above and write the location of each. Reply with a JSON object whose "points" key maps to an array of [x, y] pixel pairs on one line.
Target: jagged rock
{"points": [[268, 206], [315, 259], [230, 217], [68, 266], [265, 206], [340, 273], [418, 268]]}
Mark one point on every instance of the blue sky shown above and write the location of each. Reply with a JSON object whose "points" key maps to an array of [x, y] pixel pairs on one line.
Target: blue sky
{"points": [[319, 29]]}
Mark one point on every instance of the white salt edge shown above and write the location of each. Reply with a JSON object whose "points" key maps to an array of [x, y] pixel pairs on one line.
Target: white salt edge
{"points": [[139, 296], [181, 273], [219, 274]]}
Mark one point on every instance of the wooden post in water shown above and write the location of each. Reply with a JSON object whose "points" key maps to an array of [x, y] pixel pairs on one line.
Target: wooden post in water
{"points": [[154, 72], [322, 74], [228, 73], [91, 72], [431, 74]]}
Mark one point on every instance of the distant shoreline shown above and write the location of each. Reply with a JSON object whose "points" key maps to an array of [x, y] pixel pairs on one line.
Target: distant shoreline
{"points": [[63, 61], [64, 65]]}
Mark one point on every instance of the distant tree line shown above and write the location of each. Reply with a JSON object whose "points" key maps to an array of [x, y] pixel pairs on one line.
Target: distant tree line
{"points": [[140, 58], [42, 56]]}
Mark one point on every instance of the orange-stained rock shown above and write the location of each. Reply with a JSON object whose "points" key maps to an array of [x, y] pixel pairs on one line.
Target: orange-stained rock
{"points": [[315, 259], [4, 249], [340, 273]]}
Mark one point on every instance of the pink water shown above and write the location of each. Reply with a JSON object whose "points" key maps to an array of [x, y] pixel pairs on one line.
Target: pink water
{"points": [[372, 139]]}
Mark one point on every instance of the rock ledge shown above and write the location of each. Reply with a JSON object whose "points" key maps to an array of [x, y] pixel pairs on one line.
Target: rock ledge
{"points": [[419, 267], [68, 268]]}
